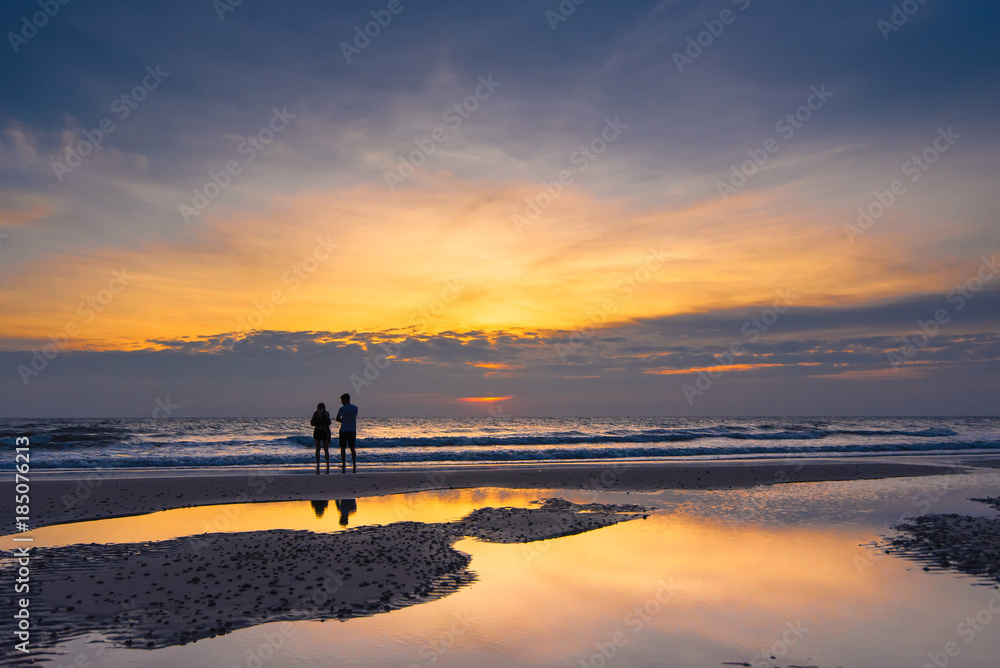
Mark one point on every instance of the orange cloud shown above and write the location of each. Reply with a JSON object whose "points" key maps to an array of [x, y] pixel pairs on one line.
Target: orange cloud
{"points": [[483, 400], [720, 368], [723, 367], [444, 255], [495, 365], [894, 373], [19, 216]]}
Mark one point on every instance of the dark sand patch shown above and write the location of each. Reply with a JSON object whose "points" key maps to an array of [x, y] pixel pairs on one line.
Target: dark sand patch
{"points": [[553, 519], [963, 543]]}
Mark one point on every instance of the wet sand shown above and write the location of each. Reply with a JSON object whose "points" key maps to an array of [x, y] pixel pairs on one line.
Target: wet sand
{"points": [[65, 497], [969, 545]]}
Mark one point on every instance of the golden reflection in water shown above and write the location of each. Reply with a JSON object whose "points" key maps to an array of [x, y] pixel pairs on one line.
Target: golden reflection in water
{"points": [[698, 586], [696, 590], [693, 586], [298, 515], [681, 576]]}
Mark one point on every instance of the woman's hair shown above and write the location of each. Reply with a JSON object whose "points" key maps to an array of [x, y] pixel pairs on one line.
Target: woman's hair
{"points": [[321, 406]]}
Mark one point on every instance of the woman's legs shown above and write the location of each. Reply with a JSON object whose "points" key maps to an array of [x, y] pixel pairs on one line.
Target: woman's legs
{"points": [[326, 448]]}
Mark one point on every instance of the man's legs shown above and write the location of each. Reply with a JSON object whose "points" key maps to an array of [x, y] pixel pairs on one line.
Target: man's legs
{"points": [[348, 438], [351, 439]]}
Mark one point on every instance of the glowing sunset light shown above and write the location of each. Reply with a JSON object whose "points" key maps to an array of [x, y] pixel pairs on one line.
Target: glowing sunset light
{"points": [[473, 215], [501, 333], [495, 365], [720, 368]]}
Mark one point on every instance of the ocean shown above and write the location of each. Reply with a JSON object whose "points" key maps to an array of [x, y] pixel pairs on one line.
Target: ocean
{"points": [[166, 443]]}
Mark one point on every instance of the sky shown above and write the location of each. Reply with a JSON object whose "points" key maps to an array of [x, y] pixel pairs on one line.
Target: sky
{"points": [[521, 208]]}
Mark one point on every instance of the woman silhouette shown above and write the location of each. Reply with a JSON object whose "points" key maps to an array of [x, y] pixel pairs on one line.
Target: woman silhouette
{"points": [[321, 433]]}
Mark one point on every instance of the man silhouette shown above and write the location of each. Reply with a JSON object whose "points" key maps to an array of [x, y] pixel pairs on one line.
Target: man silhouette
{"points": [[347, 507], [347, 416]]}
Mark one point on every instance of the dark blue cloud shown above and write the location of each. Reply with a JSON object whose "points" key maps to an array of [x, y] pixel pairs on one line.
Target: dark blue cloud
{"points": [[604, 59], [979, 312], [596, 372]]}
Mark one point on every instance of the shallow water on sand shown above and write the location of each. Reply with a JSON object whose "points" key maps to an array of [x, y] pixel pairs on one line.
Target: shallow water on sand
{"points": [[713, 577]]}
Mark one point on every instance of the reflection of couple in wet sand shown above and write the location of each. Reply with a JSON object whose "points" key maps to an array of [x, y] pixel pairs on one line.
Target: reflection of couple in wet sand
{"points": [[347, 416], [346, 508]]}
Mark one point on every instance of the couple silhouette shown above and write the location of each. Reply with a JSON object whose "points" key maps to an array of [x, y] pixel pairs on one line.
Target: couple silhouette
{"points": [[347, 416], [346, 508]]}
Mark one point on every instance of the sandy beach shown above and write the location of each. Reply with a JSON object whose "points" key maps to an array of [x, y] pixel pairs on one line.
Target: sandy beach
{"points": [[87, 496], [157, 594]]}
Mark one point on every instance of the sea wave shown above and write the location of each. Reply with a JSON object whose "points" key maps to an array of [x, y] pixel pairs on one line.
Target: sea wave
{"points": [[647, 436], [445, 455], [137, 443], [65, 439]]}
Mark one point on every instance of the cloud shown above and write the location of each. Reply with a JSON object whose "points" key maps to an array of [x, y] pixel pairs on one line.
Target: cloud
{"points": [[626, 369], [444, 254], [246, 267]]}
